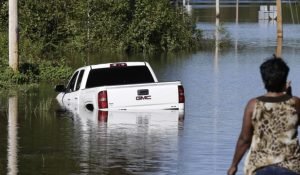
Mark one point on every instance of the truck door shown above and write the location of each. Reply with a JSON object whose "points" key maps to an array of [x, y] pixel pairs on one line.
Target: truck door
{"points": [[71, 97]]}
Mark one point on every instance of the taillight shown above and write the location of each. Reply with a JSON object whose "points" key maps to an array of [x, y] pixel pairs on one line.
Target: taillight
{"points": [[181, 98], [118, 65], [102, 99]]}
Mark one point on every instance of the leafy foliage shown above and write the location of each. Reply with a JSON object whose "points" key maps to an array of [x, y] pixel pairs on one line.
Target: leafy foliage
{"points": [[144, 25], [53, 71], [3, 45], [50, 25], [47, 29], [30, 73], [3, 15], [157, 25]]}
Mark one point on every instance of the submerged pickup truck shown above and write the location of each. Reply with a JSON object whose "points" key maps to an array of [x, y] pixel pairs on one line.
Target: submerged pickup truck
{"points": [[120, 86]]}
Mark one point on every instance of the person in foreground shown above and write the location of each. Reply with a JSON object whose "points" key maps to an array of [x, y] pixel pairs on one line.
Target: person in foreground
{"points": [[270, 126]]}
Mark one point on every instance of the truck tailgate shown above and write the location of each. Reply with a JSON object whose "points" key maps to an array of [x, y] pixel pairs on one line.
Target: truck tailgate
{"points": [[147, 96]]}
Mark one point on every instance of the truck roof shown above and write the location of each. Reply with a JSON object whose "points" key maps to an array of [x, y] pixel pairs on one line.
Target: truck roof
{"points": [[117, 64]]}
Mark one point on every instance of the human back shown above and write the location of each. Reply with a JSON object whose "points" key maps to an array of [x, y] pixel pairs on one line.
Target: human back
{"points": [[274, 141]]}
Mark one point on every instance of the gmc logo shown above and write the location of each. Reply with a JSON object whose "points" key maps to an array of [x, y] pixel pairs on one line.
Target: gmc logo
{"points": [[143, 97]]}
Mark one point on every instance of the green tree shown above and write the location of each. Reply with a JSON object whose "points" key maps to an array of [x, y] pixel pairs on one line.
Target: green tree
{"points": [[49, 25], [49, 28], [158, 25], [143, 25], [3, 31]]}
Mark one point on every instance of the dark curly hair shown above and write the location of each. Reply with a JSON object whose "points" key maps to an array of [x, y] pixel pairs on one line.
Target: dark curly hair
{"points": [[274, 72]]}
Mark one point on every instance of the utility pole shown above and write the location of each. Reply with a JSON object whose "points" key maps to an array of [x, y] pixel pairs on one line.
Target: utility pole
{"points": [[13, 34], [218, 8], [279, 29], [279, 19], [237, 12], [217, 22], [217, 34]]}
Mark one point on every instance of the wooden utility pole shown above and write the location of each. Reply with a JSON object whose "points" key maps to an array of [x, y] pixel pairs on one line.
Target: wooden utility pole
{"points": [[279, 29], [279, 19], [279, 47], [13, 34], [217, 35], [237, 12]]}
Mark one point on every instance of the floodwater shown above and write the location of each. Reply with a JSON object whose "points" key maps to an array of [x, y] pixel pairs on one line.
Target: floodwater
{"points": [[37, 136]]}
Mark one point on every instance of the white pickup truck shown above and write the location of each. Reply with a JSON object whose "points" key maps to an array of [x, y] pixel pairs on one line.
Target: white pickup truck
{"points": [[120, 86]]}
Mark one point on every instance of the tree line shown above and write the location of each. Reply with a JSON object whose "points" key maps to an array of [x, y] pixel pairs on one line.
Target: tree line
{"points": [[47, 27]]}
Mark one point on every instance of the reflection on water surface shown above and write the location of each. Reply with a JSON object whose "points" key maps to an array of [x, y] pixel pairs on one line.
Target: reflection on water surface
{"points": [[12, 151], [128, 142]]}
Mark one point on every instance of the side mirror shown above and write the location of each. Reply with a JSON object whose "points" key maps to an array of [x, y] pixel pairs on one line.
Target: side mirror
{"points": [[60, 88]]}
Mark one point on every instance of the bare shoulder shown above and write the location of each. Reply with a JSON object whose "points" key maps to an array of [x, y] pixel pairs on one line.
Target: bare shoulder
{"points": [[296, 98], [297, 101], [251, 103]]}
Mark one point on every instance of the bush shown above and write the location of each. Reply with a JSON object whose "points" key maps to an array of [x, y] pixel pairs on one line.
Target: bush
{"points": [[32, 73], [53, 71]]}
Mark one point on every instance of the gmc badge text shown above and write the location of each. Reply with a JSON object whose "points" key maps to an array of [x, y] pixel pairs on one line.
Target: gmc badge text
{"points": [[143, 97]]}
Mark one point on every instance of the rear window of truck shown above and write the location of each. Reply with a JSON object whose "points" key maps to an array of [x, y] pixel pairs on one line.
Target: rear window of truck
{"points": [[119, 76]]}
